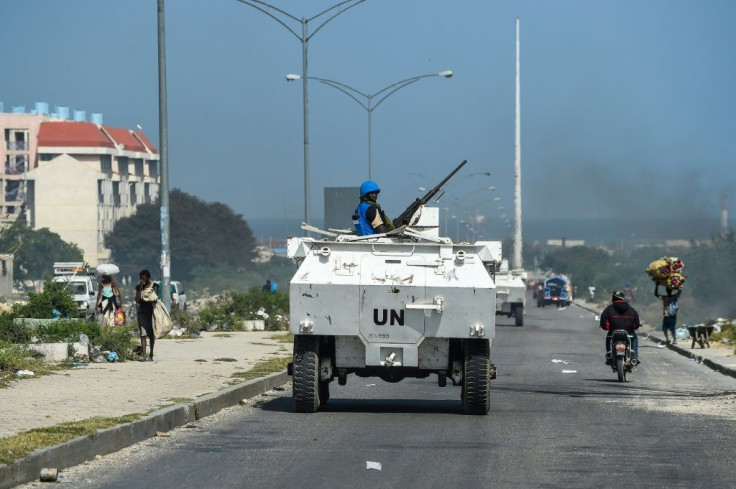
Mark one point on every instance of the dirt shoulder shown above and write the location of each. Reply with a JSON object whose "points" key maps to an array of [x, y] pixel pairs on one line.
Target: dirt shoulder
{"points": [[182, 369]]}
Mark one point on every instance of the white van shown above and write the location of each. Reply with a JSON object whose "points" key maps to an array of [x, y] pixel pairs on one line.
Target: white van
{"points": [[178, 295], [81, 282]]}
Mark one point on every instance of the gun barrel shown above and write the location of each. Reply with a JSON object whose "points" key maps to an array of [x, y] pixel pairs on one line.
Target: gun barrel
{"points": [[405, 216]]}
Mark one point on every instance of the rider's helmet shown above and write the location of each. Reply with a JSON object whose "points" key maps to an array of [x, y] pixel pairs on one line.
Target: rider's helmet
{"points": [[618, 295], [367, 187]]}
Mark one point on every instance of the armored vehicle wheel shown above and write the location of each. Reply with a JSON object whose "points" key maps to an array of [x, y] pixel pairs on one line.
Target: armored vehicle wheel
{"points": [[306, 388], [476, 393], [519, 316]]}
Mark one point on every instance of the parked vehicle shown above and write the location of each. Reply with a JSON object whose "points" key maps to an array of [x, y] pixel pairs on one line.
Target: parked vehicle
{"points": [[178, 295], [621, 356], [81, 281], [557, 291]]}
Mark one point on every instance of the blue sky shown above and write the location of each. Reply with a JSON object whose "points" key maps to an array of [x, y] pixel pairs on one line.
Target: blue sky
{"points": [[627, 105]]}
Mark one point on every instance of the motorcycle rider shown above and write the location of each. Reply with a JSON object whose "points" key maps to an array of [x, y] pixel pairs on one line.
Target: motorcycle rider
{"points": [[620, 315]]}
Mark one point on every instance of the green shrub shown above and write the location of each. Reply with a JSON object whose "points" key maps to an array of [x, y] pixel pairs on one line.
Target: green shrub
{"points": [[120, 340], [728, 332], [229, 309], [186, 320], [41, 305], [67, 330], [13, 333], [19, 357]]}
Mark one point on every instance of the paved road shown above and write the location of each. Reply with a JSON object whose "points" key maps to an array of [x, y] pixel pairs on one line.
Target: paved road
{"points": [[546, 428]]}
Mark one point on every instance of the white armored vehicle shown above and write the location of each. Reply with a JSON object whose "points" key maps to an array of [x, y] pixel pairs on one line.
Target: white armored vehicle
{"points": [[510, 293], [407, 303]]}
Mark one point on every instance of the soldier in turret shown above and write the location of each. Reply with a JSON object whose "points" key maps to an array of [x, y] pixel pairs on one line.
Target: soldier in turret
{"points": [[369, 218]]}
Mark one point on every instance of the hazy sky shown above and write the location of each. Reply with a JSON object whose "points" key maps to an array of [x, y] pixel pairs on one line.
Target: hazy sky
{"points": [[628, 106]]}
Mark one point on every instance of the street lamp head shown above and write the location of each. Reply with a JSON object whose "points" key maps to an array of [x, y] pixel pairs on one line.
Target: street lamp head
{"points": [[292, 77], [445, 74]]}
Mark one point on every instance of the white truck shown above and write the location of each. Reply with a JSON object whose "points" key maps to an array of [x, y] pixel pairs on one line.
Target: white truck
{"points": [[82, 282], [510, 292]]}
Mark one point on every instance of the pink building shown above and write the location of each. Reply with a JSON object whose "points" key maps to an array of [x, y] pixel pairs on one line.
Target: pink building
{"points": [[76, 178]]}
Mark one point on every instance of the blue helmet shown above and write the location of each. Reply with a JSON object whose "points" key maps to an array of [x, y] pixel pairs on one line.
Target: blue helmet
{"points": [[367, 187]]}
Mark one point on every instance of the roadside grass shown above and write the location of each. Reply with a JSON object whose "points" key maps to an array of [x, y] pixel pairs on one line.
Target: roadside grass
{"points": [[20, 445], [176, 400], [283, 338], [262, 369], [14, 358]]}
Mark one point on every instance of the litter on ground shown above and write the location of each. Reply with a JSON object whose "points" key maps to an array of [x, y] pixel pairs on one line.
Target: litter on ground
{"points": [[372, 465]]}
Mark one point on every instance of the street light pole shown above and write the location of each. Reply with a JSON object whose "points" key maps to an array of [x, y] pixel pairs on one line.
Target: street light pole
{"points": [[164, 159], [304, 38], [367, 103]]}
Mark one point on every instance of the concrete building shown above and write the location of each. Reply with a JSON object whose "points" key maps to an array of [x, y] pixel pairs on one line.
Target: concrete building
{"points": [[340, 204], [76, 178]]}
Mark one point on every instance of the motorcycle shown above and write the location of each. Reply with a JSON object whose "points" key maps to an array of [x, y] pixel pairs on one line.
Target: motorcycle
{"points": [[622, 359]]}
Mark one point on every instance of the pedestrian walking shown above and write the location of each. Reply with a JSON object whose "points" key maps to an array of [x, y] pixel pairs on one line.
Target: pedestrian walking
{"points": [[670, 307], [146, 295], [108, 300]]}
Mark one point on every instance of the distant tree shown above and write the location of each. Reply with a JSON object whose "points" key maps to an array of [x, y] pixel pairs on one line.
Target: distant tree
{"points": [[584, 265], [201, 235], [710, 268], [35, 251]]}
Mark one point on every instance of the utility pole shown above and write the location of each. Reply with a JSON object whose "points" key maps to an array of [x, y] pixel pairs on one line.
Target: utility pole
{"points": [[164, 160], [518, 264]]}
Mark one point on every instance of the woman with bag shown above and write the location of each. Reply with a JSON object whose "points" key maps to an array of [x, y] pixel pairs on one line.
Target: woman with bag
{"points": [[108, 300], [146, 295]]}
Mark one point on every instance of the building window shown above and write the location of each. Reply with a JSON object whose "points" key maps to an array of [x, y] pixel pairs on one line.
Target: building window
{"points": [[100, 192], [14, 191], [16, 140], [147, 193], [139, 168], [133, 200], [106, 164], [153, 169], [116, 193], [123, 166], [15, 164]]}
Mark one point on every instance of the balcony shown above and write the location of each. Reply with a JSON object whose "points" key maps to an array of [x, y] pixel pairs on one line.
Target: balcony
{"points": [[15, 165], [14, 192], [17, 145]]}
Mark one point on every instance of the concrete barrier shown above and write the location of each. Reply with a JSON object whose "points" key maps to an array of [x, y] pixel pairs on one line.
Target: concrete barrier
{"points": [[58, 352]]}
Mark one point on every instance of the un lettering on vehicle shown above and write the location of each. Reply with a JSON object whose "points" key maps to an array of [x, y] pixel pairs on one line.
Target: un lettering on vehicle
{"points": [[392, 317]]}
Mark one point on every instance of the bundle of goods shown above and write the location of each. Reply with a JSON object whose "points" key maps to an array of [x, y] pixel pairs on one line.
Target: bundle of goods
{"points": [[107, 269], [667, 271]]}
